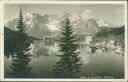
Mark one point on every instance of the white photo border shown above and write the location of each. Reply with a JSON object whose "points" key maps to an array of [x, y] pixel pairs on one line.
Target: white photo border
{"points": [[2, 3]]}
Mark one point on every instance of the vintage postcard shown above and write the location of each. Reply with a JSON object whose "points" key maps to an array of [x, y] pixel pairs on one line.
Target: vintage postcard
{"points": [[63, 41]]}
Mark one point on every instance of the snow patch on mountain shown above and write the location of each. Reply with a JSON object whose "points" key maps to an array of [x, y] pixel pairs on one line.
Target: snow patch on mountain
{"points": [[52, 24], [102, 23], [29, 15]]}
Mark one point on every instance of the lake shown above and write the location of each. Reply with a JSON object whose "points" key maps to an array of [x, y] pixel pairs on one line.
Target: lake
{"points": [[92, 66]]}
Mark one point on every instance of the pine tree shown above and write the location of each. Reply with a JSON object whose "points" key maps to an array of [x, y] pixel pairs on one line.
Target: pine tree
{"points": [[21, 58], [69, 64]]}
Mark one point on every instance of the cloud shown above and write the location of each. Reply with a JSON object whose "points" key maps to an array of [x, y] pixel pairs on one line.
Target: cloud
{"points": [[87, 14], [119, 19]]}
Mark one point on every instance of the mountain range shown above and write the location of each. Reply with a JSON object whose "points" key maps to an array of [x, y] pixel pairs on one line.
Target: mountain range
{"points": [[47, 25]]}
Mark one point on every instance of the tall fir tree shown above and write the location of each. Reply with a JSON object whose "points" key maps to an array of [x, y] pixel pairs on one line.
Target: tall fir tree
{"points": [[69, 64], [21, 58]]}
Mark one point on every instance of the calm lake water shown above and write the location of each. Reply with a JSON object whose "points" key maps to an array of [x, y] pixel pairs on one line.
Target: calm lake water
{"points": [[91, 65], [107, 64]]}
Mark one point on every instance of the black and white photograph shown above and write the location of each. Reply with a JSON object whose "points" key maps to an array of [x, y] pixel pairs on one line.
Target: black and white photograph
{"points": [[83, 41]]}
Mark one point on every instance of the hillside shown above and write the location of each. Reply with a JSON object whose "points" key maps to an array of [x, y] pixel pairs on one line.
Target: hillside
{"points": [[10, 39], [106, 34]]}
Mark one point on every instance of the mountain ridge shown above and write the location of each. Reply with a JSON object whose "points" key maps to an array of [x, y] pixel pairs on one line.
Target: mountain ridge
{"points": [[46, 25]]}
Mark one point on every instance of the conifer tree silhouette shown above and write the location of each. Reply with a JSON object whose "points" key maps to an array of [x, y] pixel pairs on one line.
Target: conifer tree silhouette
{"points": [[21, 58], [69, 64]]}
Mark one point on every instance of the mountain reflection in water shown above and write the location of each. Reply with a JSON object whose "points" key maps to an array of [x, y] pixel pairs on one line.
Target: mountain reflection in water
{"points": [[92, 65]]}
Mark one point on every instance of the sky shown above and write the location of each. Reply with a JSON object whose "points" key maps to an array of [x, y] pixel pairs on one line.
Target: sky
{"points": [[113, 13]]}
